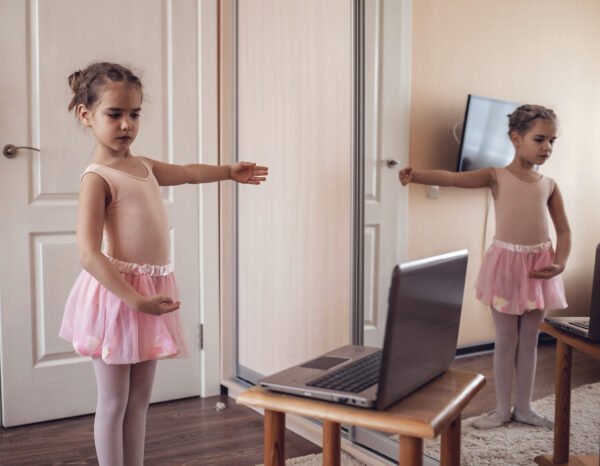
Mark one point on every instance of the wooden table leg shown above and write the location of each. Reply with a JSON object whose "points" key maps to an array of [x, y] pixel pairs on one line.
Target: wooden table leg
{"points": [[411, 451], [274, 423], [562, 405], [331, 443], [450, 444]]}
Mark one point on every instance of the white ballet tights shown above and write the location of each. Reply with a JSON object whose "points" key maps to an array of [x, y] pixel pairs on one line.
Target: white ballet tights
{"points": [[120, 424], [515, 347]]}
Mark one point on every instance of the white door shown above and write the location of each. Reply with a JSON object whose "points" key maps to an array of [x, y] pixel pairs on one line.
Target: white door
{"points": [[387, 89], [41, 44]]}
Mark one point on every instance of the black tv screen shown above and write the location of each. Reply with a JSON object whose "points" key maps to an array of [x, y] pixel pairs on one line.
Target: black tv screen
{"points": [[485, 142]]}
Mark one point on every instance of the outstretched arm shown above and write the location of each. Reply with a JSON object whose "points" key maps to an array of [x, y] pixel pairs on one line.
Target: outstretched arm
{"points": [[563, 237], [90, 222], [482, 178], [242, 172]]}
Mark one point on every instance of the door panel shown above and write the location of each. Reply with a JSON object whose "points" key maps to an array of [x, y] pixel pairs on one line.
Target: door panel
{"points": [[42, 43], [386, 138]]}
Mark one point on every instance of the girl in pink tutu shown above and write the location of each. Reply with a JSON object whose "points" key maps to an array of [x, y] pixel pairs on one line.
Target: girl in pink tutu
{"points": [[519, 277], [123, 308]]}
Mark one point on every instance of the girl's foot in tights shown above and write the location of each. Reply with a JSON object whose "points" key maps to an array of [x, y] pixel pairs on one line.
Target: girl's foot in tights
{"points": [[533, 419], [491, 420]]}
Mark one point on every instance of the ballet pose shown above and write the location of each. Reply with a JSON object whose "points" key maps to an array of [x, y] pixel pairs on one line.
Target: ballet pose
{"points": [[520, 274], [123, 310]]}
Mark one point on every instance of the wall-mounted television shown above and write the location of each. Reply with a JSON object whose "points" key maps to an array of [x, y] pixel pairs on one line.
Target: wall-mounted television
{"points": [[485, 142]]}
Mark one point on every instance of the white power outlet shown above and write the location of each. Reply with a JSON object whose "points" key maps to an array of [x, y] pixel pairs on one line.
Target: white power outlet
{"points": [[433, 192]]}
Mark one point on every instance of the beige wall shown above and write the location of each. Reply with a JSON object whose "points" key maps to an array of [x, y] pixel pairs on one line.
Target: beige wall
{"points": [[537, 51]]}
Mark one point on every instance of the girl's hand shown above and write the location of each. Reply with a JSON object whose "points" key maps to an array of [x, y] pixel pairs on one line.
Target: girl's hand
{"points": [[248, 173], [405, 175], [157, 305], [547, 272]]}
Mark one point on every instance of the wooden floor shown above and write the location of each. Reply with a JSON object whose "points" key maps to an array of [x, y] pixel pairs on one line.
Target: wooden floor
{"points": [[193, 432], [184, 432]]}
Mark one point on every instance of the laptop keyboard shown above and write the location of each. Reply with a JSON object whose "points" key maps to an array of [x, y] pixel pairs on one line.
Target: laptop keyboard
{"points": [[354, 377], [584, 325]]}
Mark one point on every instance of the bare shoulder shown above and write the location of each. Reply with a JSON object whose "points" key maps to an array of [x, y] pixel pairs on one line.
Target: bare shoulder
{"points": [[151, 162], [553, 186], [94, 189], [91, 181], [492, 172], [167, 174], [551, 181], [489, 174], [481, 178], [155, 164]]}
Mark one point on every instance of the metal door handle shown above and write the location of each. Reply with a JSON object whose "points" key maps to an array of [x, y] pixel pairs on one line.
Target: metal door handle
{"points": [[391, 163], [10, 150]]}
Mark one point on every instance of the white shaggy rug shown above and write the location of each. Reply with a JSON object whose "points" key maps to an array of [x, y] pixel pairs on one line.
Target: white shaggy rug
{"points": [[515, 444]]}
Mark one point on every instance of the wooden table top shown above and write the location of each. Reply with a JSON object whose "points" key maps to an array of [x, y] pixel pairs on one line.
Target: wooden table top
{"points": [[583, 345], [424, 413]]}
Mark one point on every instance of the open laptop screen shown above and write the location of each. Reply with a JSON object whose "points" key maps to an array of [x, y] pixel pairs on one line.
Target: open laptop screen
{"points": [[426, 295]]}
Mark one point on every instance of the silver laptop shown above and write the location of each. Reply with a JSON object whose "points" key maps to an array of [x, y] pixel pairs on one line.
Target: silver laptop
{"points": [[421, 332], [586, 327]]}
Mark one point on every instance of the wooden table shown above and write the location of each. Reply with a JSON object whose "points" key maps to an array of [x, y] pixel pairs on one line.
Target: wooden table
{"points": [[565, 342], [434, 408]]}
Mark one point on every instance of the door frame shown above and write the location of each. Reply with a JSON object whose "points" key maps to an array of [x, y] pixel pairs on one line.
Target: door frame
{"points": [[208, 135], [358, 191]]}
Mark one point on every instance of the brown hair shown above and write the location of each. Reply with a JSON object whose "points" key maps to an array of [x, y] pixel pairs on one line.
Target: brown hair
{"points": [[523, 118], [87, 84]]}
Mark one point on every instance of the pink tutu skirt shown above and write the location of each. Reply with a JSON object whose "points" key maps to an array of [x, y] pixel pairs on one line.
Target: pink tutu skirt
{"points": [[100, 325], [503, 281]]}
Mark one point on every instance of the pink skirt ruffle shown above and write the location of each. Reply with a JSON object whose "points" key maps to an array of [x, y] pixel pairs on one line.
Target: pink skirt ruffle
{"points": [[503, 281], [100, 325]]}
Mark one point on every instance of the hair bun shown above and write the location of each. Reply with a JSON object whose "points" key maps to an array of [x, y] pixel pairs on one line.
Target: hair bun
{"points": [[87, 84], [74, 80]]}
